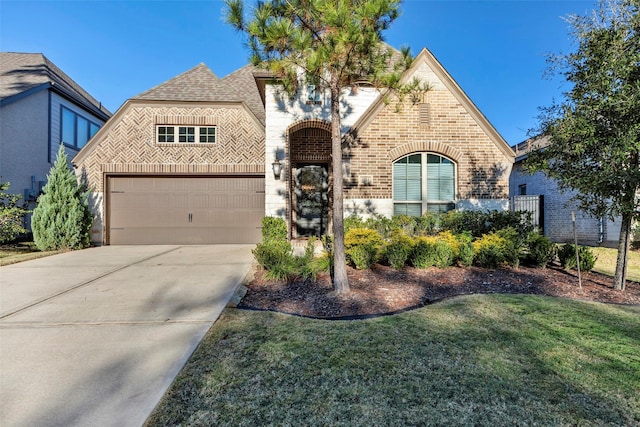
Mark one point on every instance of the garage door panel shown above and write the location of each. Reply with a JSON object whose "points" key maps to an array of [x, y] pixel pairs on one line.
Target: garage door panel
{"points": [[172, 210]]}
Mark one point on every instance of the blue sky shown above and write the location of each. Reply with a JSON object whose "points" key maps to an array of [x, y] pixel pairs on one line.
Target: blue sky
{"points": [[117, 49]]}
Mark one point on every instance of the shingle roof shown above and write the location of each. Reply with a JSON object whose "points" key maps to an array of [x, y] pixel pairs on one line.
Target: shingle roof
{"points": [[201, 84], [23, 72], [196, 84], [243, 84]]}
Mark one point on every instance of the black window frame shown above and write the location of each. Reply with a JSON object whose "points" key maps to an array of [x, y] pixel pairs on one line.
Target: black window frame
{"points": [[90, 125]]}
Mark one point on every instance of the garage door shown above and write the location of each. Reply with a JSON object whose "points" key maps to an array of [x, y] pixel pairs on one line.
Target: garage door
{"points": [[185, 210]]}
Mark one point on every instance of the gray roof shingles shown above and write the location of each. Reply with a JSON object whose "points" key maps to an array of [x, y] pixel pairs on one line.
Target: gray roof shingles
{"points": [[200, 84], [24, 72]]}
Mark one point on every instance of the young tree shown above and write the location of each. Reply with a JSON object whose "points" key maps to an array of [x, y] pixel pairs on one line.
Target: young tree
{"points": [[594, 132], [11, 215], [333, 43], [62, 218]]}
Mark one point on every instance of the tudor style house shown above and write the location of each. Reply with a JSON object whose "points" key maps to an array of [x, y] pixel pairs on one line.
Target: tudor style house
{"points": [[40, 107], [200, 159]]}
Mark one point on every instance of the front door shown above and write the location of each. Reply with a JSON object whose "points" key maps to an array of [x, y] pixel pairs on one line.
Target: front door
{"points": [[310, 200]]}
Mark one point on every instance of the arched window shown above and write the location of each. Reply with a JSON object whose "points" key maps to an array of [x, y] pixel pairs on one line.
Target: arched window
{"points": [[423, 182]]}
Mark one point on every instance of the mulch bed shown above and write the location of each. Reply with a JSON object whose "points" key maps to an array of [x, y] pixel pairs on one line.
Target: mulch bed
{"points": [[383, 290]]}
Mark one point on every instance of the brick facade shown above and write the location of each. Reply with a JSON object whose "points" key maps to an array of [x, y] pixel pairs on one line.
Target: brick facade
{"points": [[482, 170], [557, 211], [127, 145]]}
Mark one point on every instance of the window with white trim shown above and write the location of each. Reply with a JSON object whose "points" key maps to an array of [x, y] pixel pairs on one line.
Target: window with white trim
{"points": [[185, 134], [423, 182]]}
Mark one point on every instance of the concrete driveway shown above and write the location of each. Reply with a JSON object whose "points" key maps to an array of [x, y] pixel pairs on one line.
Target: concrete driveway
{"points": [[95, 337]]}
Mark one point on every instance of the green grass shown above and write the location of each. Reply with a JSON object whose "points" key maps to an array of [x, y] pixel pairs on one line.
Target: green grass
{"points": [[24, 251], [473, 360], [606, 263]]}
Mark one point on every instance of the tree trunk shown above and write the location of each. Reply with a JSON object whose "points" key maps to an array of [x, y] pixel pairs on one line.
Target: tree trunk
{"points": [[620, 277], [340, 280]]}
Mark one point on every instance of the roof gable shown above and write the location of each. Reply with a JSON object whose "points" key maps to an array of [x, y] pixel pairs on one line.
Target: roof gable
{"points": [[25, 73], [196, 84], [428, 68]]}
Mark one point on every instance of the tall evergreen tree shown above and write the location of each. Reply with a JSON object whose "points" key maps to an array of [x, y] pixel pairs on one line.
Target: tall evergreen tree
{"points": [[62, 218], [594, 131], [330, 43]]}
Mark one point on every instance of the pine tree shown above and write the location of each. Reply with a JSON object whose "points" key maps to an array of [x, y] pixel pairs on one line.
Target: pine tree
{"points": [[334, 44], [62, 218]]}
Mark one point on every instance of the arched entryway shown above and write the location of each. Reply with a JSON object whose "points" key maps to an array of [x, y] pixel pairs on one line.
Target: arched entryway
{"points": [[310, 156]]}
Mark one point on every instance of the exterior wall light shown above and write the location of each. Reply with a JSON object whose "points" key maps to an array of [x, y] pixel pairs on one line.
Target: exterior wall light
{"points": [[277, 169]]}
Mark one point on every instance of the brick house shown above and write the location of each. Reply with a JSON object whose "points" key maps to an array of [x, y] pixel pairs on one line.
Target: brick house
{"points": [[557, 205], [159, 178], [40, 108]]}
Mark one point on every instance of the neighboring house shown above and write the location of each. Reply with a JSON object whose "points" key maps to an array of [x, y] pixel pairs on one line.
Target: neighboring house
{"points": [[200, 159], [40, 107], [556, 206]]}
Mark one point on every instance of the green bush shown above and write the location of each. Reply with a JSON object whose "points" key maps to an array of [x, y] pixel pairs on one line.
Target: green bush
{"points": [[274, 228], [11, 215], [279, 262], [62, 218], [465, 249], [398, 249], [427, 224], [495, 249], [567, 257], [276, 257], [362, 246], [353, 221], [479, 223], [429, 251], [540, 250]]}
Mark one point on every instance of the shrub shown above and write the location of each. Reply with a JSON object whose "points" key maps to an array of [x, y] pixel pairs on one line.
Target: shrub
{"points": [[540, 250], [398, 249], [275, 256], [62, 218], [567, 257], [479, 223], [11, 215], [362, 246], [495, 249], [465, 249], [427, 224], [432, 251], [274, 228], [353, 221]]}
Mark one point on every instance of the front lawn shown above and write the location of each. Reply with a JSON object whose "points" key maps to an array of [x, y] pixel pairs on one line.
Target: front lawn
{"points": [[606, 263], [472, 360], [23, 251]]}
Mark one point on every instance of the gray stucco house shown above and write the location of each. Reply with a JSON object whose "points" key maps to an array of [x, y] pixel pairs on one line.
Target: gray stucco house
{"points": [[40, 107]]}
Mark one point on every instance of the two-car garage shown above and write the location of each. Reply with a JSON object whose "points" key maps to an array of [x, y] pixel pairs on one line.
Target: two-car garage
{"points": [[187, 210]]}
